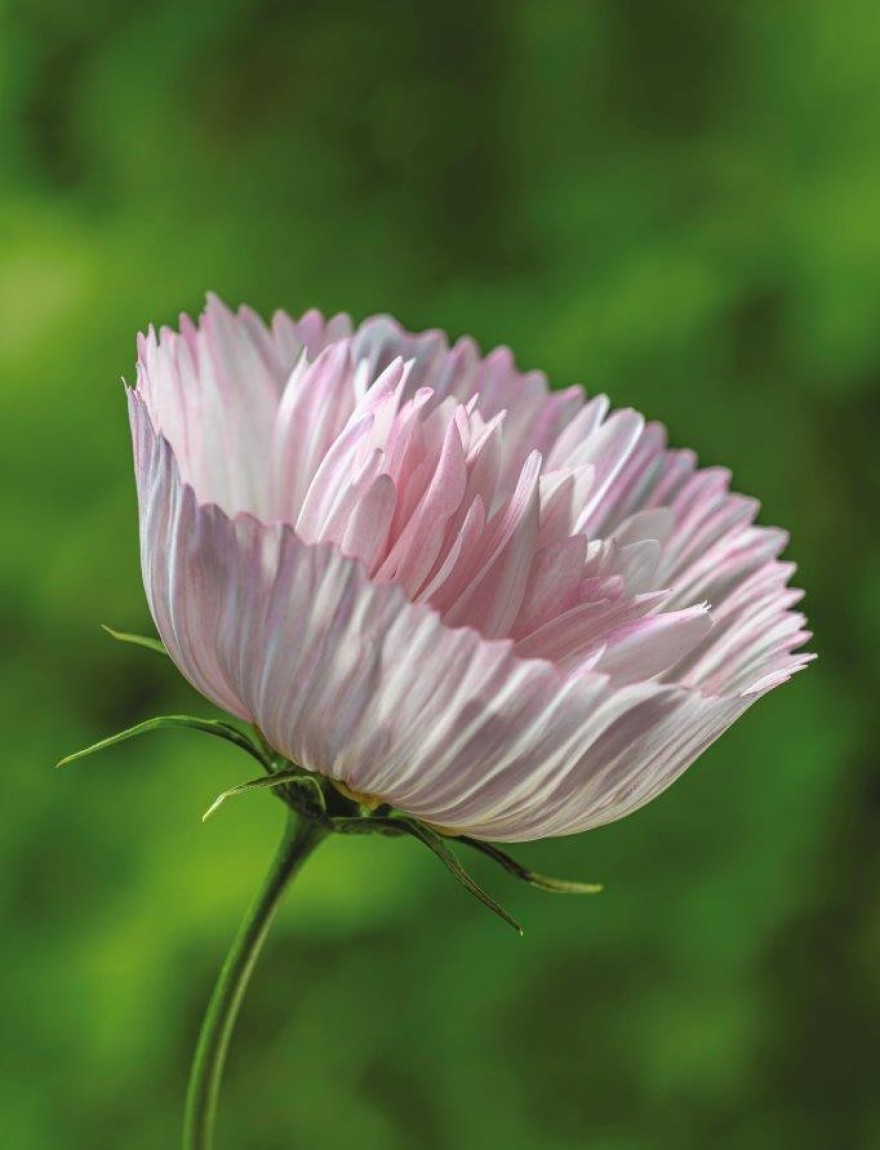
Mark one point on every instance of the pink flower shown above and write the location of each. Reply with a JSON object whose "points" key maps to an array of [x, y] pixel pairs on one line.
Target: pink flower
{"points": [[508, 612]]}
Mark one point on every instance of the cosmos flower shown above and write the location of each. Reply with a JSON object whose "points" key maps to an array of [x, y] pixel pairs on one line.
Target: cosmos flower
{"points": [[508, 612]]}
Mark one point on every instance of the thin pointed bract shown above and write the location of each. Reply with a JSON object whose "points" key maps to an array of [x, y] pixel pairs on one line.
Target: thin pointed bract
{"points": [[371, 825], [262, 783], [310, 791], [216, 727], [137, 640], [435, 843], [541, 881]]}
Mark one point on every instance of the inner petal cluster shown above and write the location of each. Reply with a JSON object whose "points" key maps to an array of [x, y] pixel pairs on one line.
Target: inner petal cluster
{"points": [[412, 487]]}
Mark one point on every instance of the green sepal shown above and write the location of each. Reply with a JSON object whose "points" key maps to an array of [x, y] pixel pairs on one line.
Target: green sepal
{"points": [[395, 824], [216, 727], [137, 640], [541, 881], [310, 799], [388, 826]]}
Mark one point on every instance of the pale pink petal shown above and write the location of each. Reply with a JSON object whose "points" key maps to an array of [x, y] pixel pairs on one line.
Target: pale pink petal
{"points": [[367, 531], [316, 404], [641, 650], [555, 576]]}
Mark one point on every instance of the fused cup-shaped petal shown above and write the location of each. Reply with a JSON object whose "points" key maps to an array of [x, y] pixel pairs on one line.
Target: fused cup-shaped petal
{"points": [[509, 612]]}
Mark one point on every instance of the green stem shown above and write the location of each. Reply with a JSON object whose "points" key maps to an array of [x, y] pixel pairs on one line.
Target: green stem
{"points": [[301, 836]]}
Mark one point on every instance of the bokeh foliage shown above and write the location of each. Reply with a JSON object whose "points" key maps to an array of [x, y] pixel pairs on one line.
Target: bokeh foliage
{"points": [[676, 203]]}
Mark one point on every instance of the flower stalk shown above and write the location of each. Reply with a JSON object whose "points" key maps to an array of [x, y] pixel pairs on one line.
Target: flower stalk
{"points": [[301, 837]]}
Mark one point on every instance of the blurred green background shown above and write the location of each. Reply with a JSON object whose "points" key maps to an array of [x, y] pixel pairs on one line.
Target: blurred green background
{"points": [[678, 204]]}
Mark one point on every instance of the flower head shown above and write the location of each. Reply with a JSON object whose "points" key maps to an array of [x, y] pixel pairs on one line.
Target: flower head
{"points": [[508, 612]]}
